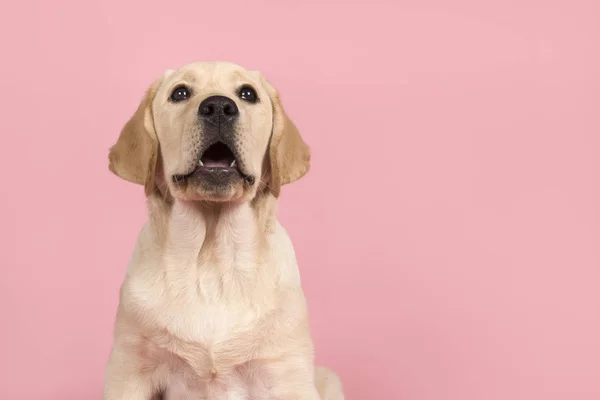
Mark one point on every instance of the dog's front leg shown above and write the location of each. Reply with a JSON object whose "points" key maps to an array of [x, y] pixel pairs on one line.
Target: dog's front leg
{"points": [[127, 379]]}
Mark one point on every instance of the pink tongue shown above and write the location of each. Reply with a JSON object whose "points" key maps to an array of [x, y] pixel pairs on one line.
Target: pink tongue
{"points": [[215, 164]]}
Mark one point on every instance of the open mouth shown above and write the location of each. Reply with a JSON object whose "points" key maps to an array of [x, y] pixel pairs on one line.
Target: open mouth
{"points": [[217, 156], [217, 162]]}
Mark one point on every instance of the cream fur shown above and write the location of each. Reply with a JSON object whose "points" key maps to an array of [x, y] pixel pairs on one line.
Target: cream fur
{"points": [[211, 306]]}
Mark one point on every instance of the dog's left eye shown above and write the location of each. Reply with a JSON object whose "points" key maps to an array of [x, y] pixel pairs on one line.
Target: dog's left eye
{"points": [[248, 94]]}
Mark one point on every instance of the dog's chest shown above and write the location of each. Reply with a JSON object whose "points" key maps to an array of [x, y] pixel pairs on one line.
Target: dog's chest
{"points": [[207, 306], [197, 341], [212, 287], [246, 381]]}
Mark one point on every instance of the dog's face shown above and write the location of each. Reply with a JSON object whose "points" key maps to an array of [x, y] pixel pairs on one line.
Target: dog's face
{"points": [[210, 131]]}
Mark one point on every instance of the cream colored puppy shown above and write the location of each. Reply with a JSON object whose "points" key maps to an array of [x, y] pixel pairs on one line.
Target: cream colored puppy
{"points": [[211, 306]]}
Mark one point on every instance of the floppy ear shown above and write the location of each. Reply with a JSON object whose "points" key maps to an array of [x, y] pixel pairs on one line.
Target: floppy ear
{"points": [[134, 156], [289, 155]]}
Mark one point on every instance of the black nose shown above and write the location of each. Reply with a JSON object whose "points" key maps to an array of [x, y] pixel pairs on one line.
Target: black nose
{"points": [[218, 109]]}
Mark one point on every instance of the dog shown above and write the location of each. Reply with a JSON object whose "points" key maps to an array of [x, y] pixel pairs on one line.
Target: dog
{"points": [[211, 307]]}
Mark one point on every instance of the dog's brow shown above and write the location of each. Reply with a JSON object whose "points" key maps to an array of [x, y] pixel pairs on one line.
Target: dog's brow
{"points": [[238, 75], [242, 78], [189, 77]]}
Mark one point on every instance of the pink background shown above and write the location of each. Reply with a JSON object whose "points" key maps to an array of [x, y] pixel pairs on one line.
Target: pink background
{"points": [[448, 234]]}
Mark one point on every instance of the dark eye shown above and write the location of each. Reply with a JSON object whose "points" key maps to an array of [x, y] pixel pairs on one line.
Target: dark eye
{"points": [[179, 94], [248, 94]]}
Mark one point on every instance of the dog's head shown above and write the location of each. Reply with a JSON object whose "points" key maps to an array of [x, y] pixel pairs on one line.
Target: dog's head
{"points": [[210, 131]]}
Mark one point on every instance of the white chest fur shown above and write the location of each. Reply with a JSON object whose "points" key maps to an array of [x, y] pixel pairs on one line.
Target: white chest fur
{"points": [[199, 284], [210, 283]]}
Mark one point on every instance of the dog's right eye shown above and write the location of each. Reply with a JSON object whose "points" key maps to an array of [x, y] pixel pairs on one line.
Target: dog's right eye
{"points": [[180, 93]]}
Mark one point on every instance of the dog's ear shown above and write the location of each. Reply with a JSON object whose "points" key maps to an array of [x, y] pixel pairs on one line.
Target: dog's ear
{"points": [[289, 155], [134, 156]]}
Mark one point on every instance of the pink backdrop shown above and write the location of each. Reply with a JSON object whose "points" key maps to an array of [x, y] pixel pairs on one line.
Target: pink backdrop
{"points": [[448, 234]]}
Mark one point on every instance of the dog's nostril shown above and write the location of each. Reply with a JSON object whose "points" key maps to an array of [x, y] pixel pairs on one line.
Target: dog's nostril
{"points": [[207, 110], [229, 110]]}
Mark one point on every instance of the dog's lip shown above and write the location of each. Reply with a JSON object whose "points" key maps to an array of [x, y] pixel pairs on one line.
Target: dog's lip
{"points": [[248, 178], [199, 168]]}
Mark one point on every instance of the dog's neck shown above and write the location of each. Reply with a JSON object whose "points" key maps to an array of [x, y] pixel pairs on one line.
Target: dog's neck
{"points": [[212, 232]]}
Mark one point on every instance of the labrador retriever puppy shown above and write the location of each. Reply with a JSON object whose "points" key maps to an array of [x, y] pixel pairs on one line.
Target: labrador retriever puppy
{"points": [[211, 307]]}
